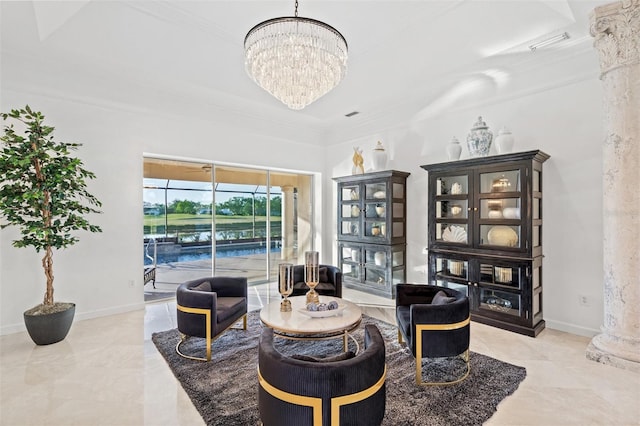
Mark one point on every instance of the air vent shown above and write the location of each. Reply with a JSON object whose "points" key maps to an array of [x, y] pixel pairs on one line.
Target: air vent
{"points": [[351, 114]]}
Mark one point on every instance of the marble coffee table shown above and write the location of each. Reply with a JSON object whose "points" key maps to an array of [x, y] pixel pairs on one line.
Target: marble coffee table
{"points": [[298, 325]]}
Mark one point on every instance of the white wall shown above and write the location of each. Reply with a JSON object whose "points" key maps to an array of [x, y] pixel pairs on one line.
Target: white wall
{"points": [[102, 274], [566, 123]]}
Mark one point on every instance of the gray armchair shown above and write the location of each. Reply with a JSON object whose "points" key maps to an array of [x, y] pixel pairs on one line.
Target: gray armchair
{"points": [[209, 306], [344, 390], [434, 321]]}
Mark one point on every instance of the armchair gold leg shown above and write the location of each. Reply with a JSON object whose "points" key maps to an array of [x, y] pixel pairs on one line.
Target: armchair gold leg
{"points": [[183, 339]]}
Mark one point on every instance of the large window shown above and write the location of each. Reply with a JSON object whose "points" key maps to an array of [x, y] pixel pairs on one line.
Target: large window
{"points": [[202, 219]]}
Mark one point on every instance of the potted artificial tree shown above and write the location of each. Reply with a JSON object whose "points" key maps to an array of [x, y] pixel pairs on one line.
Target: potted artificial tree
{"points": [[43, 193]]}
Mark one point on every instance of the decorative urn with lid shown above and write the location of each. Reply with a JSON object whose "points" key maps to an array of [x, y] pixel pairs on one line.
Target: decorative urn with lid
{"points": [[504, 141], [379, 157], [454, 149], [479, 139]]}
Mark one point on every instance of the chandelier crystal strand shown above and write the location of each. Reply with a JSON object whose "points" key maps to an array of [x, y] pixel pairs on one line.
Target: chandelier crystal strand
{"points": [[297, 60]]}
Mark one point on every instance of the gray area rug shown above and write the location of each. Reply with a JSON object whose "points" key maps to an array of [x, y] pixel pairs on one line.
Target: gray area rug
{"points": [[225, 390]]}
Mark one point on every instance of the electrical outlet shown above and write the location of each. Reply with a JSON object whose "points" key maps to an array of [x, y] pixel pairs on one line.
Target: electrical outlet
{"points": [[583, 300]]}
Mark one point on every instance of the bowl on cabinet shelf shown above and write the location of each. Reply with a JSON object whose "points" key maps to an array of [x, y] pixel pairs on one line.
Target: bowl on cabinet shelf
{"points": [[511, 213], [455, 209]]}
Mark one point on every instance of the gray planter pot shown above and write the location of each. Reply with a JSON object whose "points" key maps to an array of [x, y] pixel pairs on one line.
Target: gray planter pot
{"points": [[50, 328]]}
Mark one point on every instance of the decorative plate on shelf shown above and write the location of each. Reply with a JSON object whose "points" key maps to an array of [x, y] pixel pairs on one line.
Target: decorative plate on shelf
{"points": [[503, 236], [323, 314], [379, 194]]}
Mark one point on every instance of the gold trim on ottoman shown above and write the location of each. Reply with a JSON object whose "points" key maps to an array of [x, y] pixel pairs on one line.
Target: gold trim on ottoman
{"points": [[431, 327], [316, 403], [207, 318]]}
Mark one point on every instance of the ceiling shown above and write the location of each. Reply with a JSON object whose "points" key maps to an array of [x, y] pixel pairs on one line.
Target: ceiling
{"points": [[408, 60], [160, 168]]}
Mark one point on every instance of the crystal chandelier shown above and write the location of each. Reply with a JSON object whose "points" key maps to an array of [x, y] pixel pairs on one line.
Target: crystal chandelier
{"points": [[297, 60]]}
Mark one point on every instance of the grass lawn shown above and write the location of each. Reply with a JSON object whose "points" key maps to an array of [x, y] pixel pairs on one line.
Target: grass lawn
{"points": [[181, 219]]}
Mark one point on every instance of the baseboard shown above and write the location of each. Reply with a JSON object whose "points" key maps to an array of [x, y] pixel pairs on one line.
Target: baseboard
{"points": [[571, 328], [115, 310]]}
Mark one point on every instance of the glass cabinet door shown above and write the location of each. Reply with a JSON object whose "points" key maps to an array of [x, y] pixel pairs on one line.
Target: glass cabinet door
{"points": [[500, 286], [350, 259], [375, 265], [500, 302], [499, 210], [451, 272], [375, 217], [350, 211], [452, 209], [507, 276]]}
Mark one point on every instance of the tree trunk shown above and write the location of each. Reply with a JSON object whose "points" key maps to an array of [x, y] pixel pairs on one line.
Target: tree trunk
{"points": [[47, 264]]}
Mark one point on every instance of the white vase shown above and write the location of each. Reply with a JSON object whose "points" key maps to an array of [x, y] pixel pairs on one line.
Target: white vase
{"points": [[454, 149], [379, 157], [380, 258], [504, 141]]}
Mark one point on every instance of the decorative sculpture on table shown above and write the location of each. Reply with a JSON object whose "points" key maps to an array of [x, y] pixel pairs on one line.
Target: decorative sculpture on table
{"points": [[358, 162], [312, 275], [285, 285]]}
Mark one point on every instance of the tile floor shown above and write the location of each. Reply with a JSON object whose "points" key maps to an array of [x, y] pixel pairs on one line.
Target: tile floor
{"points": [[108, 372]]}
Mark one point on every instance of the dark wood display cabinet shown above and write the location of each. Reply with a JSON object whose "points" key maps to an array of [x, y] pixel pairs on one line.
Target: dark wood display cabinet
{"points": [[485, 236], [372, 211]]}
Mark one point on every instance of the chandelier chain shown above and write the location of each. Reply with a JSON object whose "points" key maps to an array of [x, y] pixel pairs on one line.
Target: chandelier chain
{"points": [[296, 15]]}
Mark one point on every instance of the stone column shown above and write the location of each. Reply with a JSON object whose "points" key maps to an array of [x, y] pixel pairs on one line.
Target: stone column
{"points": [[288, 217], [616, 28]]}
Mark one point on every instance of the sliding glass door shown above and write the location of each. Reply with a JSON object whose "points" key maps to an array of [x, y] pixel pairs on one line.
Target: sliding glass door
{"points": [[208, 219], [177, 204]]}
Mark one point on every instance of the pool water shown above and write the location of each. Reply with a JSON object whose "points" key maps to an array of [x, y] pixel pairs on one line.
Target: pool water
{"points": [[204, 253]]}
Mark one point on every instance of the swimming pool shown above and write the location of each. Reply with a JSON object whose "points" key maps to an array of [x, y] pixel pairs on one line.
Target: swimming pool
{"points": [[189, 254]]}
